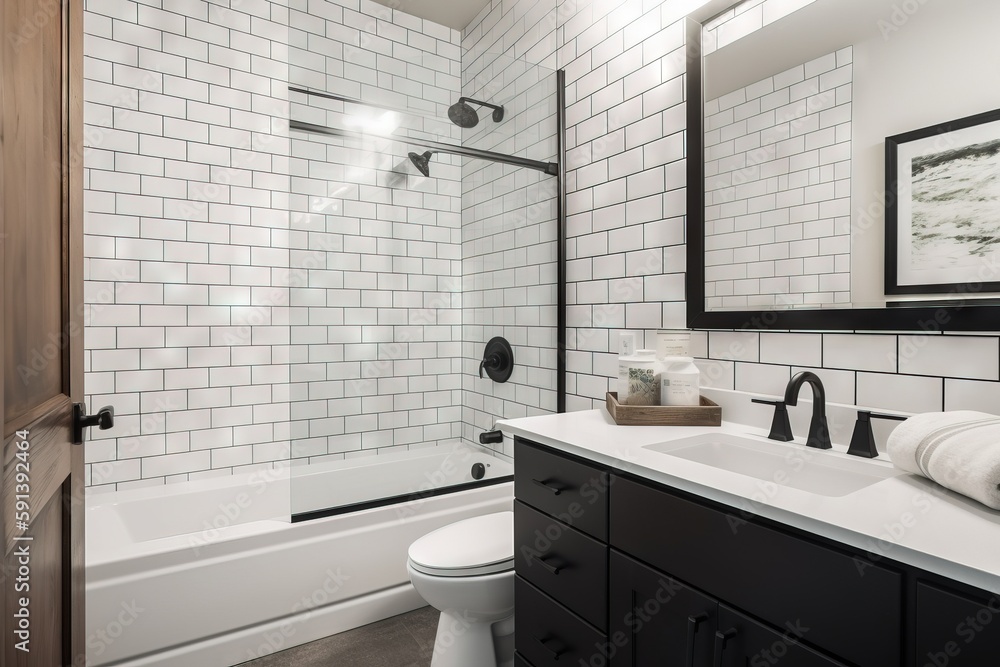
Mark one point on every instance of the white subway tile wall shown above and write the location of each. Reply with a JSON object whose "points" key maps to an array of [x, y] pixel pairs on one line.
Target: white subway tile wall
{"points": [[200, 292], [377, 320], [186, 238], [509, 214], [778, 189]]}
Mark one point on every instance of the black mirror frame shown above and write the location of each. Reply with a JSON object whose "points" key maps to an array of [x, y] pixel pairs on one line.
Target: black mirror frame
{"points": [[954, 314]]}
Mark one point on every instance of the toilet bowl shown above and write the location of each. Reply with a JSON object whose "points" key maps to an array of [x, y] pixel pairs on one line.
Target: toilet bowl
{"points": [[465, 570]]}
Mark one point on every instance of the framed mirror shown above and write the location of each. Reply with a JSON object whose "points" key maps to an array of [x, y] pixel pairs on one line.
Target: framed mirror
{"points": [[844, 165]]}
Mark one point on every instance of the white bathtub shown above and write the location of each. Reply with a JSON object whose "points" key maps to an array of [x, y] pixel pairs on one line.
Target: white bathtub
{"points": [[213, 573]]}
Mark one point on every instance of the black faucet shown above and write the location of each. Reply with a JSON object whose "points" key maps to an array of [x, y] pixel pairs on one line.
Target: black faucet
{"points": [[819, 432], [863, 440]]}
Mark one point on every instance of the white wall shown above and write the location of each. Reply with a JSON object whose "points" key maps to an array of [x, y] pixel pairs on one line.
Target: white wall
{"points": [[185, 238]]}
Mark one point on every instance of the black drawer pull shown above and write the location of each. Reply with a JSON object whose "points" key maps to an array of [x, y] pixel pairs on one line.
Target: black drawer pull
{"points": [[548, 487], [721, 639], [693, 623], [555, 654], [548, 566]]}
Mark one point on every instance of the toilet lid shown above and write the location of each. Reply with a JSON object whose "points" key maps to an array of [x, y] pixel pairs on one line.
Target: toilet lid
{"points": [[480, 545]]}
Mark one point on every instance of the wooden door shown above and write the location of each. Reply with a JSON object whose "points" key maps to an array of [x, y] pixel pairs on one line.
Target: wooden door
{"points": [[41, 340]]}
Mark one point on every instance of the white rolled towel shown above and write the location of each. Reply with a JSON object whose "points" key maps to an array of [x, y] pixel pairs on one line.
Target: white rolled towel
{"points": [[959, 450]]}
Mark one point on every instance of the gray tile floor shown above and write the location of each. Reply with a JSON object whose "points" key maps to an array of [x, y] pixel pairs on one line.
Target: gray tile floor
{"points": [[406, 640]]}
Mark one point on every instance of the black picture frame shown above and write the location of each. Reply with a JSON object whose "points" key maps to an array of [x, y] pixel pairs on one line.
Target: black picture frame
{"points": [[898, 224]]}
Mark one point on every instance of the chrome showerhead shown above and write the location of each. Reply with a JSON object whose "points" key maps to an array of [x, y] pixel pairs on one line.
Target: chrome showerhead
{"points": [[422, 162], [463, 115]]}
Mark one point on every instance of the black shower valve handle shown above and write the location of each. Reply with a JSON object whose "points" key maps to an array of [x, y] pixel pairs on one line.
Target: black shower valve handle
{"points": [[498, 360], [491, 361]]}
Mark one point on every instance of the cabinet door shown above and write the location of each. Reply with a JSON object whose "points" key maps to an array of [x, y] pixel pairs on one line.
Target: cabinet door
{"points": [[776, 576], [955, 630], [656, 621], [742, 642]]}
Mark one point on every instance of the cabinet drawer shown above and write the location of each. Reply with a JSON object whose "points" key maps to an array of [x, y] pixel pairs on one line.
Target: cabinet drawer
{"points": [[562, 562], [750, 643], [956, 630], [572, 491], [851, 606], [548, 635]]}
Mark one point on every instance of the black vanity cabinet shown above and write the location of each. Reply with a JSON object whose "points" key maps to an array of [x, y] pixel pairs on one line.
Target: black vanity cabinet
{"points": [[560, 559], [956, 630], [657, 621], [795, 585], [616, 570]]}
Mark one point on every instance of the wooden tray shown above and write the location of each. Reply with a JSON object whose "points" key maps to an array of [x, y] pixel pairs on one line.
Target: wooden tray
{"points": [[707, 414]]}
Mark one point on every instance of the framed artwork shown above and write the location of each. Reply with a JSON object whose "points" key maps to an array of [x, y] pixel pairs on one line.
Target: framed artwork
{"points": [[942, 224]]}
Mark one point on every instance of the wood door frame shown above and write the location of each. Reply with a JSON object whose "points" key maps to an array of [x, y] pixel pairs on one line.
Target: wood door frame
{"points": [[74, 636]]}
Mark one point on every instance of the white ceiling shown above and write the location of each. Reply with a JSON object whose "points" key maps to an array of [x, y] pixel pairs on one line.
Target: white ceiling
{"points": [[455, 14]]}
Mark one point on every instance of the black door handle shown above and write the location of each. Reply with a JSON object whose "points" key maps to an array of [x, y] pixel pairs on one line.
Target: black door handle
{"points": [[103, 419], [548, 566], [721, 639], [555, 654], [693, 623]]}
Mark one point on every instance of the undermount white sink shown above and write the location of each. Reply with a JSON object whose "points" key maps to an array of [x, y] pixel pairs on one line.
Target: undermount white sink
{"points": [[784, 464]]}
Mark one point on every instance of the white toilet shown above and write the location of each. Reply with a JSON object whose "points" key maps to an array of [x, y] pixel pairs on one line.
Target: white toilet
{"points": [[466, 570]]}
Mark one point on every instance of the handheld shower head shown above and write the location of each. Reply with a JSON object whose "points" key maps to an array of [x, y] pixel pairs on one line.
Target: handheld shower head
{"points": [[422, 162], [463, 115]]}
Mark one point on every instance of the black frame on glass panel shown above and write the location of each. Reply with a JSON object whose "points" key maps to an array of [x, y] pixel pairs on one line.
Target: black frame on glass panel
{"points": [[957, 313]]}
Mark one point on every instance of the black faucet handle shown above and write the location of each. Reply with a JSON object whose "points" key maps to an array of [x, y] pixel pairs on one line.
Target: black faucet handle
{"points": [[764, 401], [781, 428], [868, 414], [863, 439]]}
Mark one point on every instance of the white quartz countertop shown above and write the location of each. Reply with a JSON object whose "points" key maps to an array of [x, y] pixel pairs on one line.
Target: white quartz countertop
{"points": [[906, 518]]}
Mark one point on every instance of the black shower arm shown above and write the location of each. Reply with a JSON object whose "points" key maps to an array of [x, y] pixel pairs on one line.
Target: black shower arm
{"points": [[482, 104]]}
